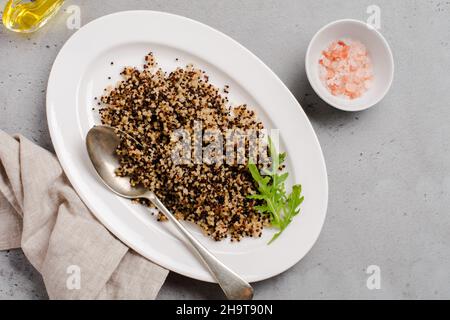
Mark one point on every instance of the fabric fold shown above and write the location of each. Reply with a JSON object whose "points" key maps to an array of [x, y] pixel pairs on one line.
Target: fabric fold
{"points": [[76, 255]]}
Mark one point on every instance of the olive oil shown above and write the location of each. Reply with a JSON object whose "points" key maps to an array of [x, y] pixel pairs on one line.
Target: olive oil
{"points": [[29, 15]]}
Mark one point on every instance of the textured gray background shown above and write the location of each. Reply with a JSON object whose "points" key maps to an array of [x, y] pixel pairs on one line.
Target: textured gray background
{"points": [[389, 166]]}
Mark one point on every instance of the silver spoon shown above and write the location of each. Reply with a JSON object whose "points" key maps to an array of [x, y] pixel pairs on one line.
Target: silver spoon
{"points": [[101, 143]]}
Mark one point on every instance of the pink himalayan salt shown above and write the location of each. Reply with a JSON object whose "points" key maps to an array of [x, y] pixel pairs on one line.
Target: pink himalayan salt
{"points": [[345, 69]]}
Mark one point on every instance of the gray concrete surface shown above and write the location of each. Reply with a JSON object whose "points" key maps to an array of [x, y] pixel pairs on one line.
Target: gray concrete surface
{"points": [[389, 166]]}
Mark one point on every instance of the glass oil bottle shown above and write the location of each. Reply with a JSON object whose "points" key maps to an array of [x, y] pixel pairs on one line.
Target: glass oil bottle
{"points": [[29, 15]]}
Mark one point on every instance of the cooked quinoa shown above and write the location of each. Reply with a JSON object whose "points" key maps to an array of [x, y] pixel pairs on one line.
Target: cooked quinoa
{"points": [[149, 105]]}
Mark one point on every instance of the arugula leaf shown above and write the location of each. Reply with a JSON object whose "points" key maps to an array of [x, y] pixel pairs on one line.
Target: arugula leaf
{"points": [[280, 207]]}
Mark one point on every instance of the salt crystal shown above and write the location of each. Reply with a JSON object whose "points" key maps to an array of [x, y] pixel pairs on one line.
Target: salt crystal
{"points": [[346, 69]]}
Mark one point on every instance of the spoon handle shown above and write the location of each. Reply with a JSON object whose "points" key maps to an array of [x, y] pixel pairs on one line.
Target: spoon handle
{"points": [[234, 287]]}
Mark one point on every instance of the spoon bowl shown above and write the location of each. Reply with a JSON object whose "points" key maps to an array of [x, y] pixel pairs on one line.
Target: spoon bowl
{"points": [[101, 144]]}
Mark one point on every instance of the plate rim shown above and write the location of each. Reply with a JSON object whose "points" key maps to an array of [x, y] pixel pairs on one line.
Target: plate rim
{"points": [[85, 199]]}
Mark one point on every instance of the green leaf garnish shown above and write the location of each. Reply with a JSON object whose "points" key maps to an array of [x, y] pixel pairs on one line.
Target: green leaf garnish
{"points": [[280, 207]]}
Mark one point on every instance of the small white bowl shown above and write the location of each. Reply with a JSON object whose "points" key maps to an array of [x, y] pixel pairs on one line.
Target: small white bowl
{"points": [[379, 52]]}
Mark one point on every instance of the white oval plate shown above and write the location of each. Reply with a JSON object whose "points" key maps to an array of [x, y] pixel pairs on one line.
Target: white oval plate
{"points": [[81, 71]]}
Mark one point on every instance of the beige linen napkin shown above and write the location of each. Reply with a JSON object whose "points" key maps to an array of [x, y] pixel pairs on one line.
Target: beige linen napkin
{"points": [[77, 257]]}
